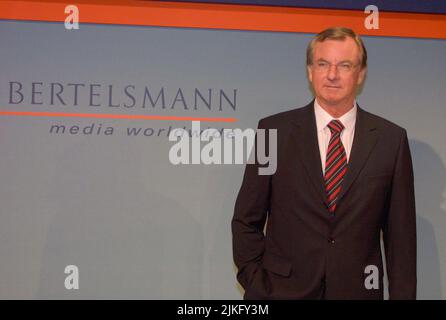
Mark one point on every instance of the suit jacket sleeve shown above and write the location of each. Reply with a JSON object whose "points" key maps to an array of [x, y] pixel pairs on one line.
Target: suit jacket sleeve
{"points": [[399, 231], [250, 213]]}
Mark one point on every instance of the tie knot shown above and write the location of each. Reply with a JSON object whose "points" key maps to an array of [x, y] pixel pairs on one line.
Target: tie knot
{"points": [[335, 126]]}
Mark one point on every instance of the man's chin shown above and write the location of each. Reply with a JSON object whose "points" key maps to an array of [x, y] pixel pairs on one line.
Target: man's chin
{"points": [[332, 101]]}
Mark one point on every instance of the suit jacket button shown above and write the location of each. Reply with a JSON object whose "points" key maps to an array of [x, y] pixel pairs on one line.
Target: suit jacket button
{"points": [[331, 240]]}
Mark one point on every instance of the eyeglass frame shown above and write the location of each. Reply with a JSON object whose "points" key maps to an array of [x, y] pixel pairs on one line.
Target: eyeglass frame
{"points": [[328, 65]]}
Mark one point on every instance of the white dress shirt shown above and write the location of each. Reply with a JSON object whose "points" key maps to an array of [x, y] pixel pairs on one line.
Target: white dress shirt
{"points": [[323, 118]]}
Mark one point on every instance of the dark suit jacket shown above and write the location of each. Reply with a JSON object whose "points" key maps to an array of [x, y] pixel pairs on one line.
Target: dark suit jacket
{"points": [[306, 254]]}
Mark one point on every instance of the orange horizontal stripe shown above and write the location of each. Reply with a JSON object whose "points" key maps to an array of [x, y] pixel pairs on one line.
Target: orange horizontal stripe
{"points": [[113, 116], [224, 16]]}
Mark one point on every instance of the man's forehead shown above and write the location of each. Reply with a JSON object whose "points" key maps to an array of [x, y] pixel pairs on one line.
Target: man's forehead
{"points": [[338, 43], [344, 47]]}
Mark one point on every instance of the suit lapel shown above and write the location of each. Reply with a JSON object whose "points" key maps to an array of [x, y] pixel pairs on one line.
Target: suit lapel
{"points": [[366, 136], [305, 138]]}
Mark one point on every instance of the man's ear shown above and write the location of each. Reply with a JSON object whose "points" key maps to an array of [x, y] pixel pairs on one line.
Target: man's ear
{"points": [[362, 75], [309, 74]]}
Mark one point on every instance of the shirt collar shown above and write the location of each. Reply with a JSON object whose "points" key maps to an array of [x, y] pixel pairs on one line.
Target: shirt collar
{"points": [[323, 118]]}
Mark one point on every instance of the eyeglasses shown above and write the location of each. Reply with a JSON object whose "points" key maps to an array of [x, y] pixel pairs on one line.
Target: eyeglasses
{"points": [[343, 67]]}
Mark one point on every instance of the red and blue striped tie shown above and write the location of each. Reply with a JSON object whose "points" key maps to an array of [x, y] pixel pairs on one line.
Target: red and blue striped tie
{"points": [[335, 164]]}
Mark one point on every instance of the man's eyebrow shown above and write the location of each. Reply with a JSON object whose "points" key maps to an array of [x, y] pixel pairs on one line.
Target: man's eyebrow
{"points": [[343, 61]]}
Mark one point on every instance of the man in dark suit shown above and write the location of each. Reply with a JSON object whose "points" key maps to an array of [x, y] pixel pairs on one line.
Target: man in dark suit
{"points": [[343, 176]]}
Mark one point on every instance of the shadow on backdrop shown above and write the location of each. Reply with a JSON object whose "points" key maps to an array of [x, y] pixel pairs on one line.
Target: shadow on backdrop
{"points": [[128, 240], [430, 183]]}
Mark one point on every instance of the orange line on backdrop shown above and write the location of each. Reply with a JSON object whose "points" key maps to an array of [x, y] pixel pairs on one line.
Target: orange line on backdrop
{"points": [[114, 116], [227, 16]]}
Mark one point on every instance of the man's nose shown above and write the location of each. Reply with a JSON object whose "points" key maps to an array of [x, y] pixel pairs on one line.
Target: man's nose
{"points": [[332, 72]]}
